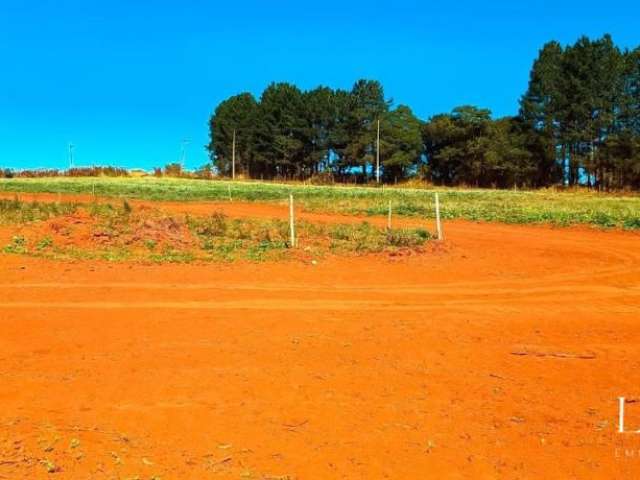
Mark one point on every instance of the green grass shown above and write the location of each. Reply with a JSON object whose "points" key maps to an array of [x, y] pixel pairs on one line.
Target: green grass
{"points": [[121, 232], [15, 211], [544, 206]]}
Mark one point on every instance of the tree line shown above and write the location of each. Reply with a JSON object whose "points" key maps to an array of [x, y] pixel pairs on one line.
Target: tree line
{"points": [[578, 123]]}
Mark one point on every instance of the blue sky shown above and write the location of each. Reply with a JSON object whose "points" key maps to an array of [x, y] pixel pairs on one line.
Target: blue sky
{"points": [[126, 81]]}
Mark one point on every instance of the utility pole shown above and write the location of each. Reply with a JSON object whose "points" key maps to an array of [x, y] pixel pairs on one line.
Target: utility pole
{"points": [[378, 154], [71, 146], [183, 151], [233, 156]]}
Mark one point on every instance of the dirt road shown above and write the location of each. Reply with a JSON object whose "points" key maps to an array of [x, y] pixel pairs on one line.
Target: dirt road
{"points": [[499, 354]]}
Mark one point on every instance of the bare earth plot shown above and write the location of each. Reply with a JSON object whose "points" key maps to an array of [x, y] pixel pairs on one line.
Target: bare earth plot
{"points": [[499, 354]]}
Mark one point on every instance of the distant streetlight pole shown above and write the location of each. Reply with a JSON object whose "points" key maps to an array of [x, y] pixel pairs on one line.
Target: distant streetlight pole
{"points": [[71, 146], [378, 154], [183, 151]]}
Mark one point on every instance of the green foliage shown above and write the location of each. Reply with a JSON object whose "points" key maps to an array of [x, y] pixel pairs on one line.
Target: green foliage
{"points": [[543, 206], [44, 243], [280, 132], [579, 123], [16, 211], [583, 107], [401, 143], [18, 244], [240, 114], [295, 134], [153, 236], [173, 170], [364, 237], [171, 255]]}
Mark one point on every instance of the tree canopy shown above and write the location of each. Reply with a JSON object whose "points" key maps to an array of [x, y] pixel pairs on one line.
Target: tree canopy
{"points": [[578, 123]]}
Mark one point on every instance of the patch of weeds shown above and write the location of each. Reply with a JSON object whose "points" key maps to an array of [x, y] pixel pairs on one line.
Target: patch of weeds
{"points": [[407, 238], [221, 249], [221, 236], [18, 244], [116, 255], [150, 244], [72, 253], [212, 226], [170, 255], [262, 250], [100, 209], [111, 221], [16, 211], [361, 237], [44, 243], [602, 219], [364, 237], [632, 223]]}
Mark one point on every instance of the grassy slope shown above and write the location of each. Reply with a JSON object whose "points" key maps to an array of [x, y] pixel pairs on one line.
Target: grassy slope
{"points": [[543, 206]]}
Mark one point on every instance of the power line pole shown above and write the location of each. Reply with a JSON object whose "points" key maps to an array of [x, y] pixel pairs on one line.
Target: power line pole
{"points": [[183, 151], [71, 146], [378, 154], [233, 156]]}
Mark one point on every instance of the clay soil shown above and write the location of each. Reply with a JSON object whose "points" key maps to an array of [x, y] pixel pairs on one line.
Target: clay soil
{"points": [[500, 353]]}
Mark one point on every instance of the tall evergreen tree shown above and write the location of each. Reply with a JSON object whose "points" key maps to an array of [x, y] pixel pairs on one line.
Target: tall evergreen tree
{"points": [[401, 143], [320, 112], [367, 106], [280, 132], [540, 107], [239, 114]]}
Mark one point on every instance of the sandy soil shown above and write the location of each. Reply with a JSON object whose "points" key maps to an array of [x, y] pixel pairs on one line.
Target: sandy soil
{"points": [[499, 354]]}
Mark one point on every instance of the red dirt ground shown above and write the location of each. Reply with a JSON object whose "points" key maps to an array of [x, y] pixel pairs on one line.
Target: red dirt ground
{"points": [[499, 354]]}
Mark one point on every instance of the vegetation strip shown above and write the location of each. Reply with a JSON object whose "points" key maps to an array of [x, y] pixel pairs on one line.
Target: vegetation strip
{"points": [[120, 232], [508, 206]]}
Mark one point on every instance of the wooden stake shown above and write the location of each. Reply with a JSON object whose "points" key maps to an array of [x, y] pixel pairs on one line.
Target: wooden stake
{"points": [[229, 189], [389, 217], [378, 154], [292, 226], [438, 224]]}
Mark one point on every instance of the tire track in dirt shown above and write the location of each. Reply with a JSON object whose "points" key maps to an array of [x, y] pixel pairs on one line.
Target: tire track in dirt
{"points": [[619, 247], [612, 256]]}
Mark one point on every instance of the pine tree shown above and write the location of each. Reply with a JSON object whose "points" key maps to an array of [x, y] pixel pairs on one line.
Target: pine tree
{"points": [[239, 114]]}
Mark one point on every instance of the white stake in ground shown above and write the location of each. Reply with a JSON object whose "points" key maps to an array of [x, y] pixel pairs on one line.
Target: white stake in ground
{"points": [[389, 217], [229, 188], [292, 226], [378, 154], [438, 224]]}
